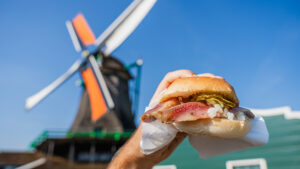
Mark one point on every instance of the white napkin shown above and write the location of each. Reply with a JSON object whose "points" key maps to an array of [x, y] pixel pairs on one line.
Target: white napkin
{"points": [[156, 135], [209, 147]]}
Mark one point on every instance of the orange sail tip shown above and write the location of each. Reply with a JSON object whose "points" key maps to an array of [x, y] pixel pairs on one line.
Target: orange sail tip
{"points": [[83, 30], [97, 101]]}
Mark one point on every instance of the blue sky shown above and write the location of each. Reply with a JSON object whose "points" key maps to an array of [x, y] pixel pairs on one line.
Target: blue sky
{"points": [[255, 45]]}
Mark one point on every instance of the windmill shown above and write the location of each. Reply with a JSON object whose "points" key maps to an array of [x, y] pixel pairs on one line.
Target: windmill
{"points": [[99, 96], [102, 124]]}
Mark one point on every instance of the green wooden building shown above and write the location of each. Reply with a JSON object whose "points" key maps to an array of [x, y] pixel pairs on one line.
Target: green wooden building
{"points": [[282, 151]]}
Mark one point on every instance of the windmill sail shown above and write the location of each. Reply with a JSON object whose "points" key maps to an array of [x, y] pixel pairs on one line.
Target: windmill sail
{"points": [[123, 26], [35, 99], [102, 83], [120, 118], [83, 30], [97, 101], [75, 39]]}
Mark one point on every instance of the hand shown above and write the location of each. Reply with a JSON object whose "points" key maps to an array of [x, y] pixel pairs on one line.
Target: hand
{"points": [[130, 155]]}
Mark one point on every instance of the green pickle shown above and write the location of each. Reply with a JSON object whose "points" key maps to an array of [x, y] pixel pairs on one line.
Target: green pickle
{"points": [[213, 99]]}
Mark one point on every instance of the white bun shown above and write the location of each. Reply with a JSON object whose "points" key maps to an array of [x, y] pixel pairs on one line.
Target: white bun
{"points": [[221, 128], [187, 86]]}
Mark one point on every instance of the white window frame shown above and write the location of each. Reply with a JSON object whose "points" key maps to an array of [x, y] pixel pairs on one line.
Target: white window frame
{"points": [[246, 162], [165, 167]]}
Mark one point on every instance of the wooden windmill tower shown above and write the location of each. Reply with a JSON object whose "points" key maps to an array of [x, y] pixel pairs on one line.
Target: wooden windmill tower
{"points": [[104, 120]]}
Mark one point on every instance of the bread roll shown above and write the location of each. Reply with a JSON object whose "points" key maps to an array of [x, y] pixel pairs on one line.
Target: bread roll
{"points": [[187, 86], [222, 128]]}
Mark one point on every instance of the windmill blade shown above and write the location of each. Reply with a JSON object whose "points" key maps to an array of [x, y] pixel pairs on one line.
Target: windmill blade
{"points": [[101, 82], [124, 25], [75, 40], [97, 101], [35, 99], [99, 97], [83, 30], [80, 32]]}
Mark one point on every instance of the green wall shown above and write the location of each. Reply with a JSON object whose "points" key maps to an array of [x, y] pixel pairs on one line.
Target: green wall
{"points": [[282, 151]]}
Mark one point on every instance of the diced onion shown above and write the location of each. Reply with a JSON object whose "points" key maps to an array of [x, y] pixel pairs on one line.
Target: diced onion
{"points": [[230, 116], [212, 112], [218, 107]]}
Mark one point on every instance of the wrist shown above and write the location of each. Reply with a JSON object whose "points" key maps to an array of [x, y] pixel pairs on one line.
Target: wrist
{"points": [[136, 160], [131, 158]]}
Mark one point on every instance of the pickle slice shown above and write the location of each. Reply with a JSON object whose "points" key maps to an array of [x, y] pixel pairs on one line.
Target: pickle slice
{"points": [[213, 99]]}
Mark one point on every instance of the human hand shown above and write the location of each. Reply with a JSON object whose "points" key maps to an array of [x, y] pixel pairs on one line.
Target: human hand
{"points": [[131, 156]]}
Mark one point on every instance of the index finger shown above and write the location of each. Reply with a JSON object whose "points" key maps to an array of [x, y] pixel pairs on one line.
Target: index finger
{"points": [[169, 78]]}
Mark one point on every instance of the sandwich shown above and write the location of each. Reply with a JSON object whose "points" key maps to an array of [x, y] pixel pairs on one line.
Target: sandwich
{"points": [[202, 105]]}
